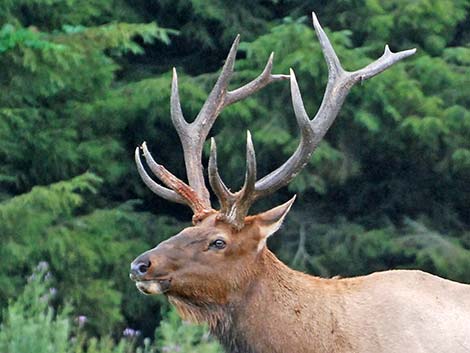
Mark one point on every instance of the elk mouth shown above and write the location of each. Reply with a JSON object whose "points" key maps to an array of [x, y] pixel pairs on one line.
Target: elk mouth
{"points": [[153, 286]]}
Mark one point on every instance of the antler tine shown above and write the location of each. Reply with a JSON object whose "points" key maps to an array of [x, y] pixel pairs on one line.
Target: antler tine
{"points": [[312, 131], [262, 80], [215, 102], [161, 191], [284, 174], [387, 59], [190, 196], [175, 106], [234, 206], [245, 197], [218, 186], [192, 148], [332, 61], [250, 176]]}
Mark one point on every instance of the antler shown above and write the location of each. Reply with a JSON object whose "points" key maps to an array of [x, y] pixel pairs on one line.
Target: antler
{"points": [[339, 84], [234, 206], [192, 136]]}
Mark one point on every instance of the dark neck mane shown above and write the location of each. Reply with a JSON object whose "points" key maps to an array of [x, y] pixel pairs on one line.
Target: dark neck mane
{"points": [[219, 318], [224, 321], [213, 315]]}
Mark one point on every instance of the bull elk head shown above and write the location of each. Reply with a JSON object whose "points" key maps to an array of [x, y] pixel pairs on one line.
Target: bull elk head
{"points": [[210, 269]]}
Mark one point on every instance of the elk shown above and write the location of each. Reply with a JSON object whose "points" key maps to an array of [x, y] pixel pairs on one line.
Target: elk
{"points": [[220, 271]]}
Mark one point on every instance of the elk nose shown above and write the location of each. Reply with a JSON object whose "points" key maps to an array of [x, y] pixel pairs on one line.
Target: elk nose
{"points": [[139, 268]]}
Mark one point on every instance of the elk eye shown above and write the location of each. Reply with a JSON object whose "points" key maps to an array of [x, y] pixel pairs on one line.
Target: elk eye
{"points": [[218, 244]]}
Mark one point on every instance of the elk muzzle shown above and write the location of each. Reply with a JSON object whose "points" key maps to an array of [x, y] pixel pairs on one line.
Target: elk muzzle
{"points": [[144, 273]]}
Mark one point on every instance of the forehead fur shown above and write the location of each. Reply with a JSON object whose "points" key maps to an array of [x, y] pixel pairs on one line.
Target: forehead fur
{"points": [[192, 234], [210, 228]]}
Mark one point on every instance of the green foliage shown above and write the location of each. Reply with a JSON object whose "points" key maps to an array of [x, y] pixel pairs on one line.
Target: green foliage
{"points": [[90, 252], [175, 336], [349, 249], [24, 221], [30, 324], [48, 77], [11, 38]]}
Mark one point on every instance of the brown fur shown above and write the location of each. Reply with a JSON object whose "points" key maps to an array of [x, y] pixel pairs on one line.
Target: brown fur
{"points": [[255, 304]]}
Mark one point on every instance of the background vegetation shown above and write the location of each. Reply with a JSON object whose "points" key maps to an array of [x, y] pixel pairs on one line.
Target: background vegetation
{"points": [[83, 82]]}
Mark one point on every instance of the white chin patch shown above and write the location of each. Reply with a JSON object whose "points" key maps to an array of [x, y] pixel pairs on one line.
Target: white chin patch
{"points": [[149, 287]]}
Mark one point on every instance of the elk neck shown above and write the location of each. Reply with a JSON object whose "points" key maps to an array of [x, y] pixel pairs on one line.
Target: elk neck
{"points": [[276, 311]]}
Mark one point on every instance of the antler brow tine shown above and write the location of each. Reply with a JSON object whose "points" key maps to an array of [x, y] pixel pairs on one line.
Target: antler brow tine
{"points": [[161, 191]]}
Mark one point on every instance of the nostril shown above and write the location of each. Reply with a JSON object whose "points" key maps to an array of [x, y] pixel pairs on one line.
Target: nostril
{"points": [[143, 267], [140, 268]]}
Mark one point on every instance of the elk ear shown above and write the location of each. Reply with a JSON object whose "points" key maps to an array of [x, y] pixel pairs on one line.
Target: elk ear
{"points": [[270, 221]]}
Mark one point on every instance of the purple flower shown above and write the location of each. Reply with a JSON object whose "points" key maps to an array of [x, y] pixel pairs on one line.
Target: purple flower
{"points": [[81, 320], [130, 332]]}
